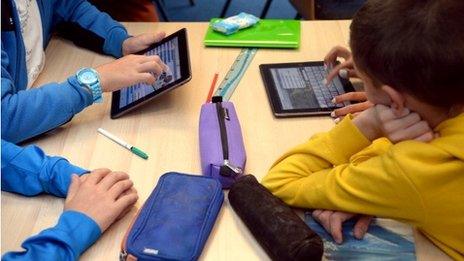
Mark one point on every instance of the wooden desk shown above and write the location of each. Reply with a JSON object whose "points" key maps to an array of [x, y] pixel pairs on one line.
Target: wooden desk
{"points": [[168, 130]]}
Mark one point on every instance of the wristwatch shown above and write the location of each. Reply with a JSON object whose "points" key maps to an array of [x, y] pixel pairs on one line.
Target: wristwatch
{"points": [[89, 78]]}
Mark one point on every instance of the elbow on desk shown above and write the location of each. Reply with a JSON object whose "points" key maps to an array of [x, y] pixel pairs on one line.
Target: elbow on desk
{"points": [[281, 185]]}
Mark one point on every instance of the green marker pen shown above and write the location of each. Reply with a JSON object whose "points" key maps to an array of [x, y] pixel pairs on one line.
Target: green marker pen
{"points": [[126, 145]]}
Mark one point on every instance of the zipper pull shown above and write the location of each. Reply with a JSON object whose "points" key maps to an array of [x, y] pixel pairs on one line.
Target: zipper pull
{"points": [[123, 255], [226, 114], [230, 170]]}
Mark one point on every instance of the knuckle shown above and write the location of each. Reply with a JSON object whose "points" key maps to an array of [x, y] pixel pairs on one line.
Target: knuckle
{"points": [[325, 215], [388, 127], [129, 183], [102, 170], [415, 117], [392, 137], [383, 115], [121, 174], [343, 111], [351, 95], [124, 184], [424, 124], [334, 219]]}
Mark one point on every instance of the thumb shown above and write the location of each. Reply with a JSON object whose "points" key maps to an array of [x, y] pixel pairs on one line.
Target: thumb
{"points": [[159, 36], [74, 186], [149, 39]]}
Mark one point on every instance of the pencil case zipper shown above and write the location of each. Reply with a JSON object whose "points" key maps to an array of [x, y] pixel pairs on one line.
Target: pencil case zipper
{"points": [[123, 255], [227, 169]]}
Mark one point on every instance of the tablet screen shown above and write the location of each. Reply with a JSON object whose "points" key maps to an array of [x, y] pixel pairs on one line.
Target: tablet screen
{"points": [[169, 54], [302, 87]]}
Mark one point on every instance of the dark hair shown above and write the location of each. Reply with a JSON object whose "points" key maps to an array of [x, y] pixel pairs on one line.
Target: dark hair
{"points": [[414, 46]]}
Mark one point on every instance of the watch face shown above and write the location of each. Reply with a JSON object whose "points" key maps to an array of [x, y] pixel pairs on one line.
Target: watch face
{"points": [[87, 77]]}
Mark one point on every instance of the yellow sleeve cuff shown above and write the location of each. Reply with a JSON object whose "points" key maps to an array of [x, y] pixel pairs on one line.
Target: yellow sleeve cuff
{"points": [[346, 139]]}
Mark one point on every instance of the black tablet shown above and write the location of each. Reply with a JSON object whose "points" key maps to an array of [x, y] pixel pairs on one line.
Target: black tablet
{"points": [[173, 51], [297, 89]]}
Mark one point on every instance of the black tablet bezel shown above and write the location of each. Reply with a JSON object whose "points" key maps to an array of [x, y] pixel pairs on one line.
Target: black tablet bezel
{"points": [[274, 98], [185, 73]]}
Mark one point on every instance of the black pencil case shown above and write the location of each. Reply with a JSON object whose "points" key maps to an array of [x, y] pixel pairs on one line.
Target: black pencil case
{"points": [[277, 228]]}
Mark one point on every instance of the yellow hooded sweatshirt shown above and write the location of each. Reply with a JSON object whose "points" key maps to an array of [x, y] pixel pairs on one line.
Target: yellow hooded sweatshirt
{"points": [[418, 183]]}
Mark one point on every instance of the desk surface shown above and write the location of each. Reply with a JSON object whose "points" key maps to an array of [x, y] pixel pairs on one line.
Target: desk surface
{"points": [[167, 130]]}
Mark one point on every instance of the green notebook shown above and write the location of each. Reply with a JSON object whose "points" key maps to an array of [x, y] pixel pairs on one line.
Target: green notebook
{"points": [[266, 33]]}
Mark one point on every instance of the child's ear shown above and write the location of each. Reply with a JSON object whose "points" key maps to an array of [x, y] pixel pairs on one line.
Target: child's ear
{"points": [[397, 99]]}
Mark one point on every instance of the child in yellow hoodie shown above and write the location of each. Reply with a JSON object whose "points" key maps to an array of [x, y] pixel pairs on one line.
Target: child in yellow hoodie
{"points": [[404, 157]]}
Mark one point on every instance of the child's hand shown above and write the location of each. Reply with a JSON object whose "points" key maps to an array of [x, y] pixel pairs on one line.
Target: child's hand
{"points": [[344, 69], [383, 121], [102, 195], [332, 222], [129, 70], [355, 108], [141, 42]]}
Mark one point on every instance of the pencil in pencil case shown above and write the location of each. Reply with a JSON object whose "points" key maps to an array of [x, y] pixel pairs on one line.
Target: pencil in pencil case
{"points": [[282, 234], [175, 221], [222, 150]]}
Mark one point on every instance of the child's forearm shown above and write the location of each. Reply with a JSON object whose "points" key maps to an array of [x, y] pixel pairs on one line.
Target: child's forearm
{"points": [[321, 152], [28, 171], [71, 236], [374, 186], [326, 150], [89, 27]]}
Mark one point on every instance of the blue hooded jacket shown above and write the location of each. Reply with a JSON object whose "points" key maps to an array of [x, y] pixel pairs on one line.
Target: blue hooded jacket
{"points": [[28, 171], [28, 113]]}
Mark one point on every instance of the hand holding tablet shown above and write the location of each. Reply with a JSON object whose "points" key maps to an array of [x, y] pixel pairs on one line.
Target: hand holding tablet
{"points": [[173, 51]]}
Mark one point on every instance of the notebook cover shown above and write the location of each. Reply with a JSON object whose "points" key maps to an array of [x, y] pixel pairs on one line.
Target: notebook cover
{"points": [[270, 33]]}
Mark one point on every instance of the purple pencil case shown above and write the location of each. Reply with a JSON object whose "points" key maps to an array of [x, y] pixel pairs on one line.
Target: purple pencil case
{"points": [[222, 150]]}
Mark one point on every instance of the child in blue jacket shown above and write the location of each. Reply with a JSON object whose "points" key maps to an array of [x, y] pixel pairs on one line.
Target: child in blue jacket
{"points": [[93, 201], [27, 27], [29, 112]]}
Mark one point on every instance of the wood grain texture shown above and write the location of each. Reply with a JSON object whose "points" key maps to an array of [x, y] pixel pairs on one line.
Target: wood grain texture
{"points": [[167, 129]]}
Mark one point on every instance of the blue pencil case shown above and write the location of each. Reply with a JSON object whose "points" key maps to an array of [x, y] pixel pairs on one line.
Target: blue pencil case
{"points": [[175, 221]]}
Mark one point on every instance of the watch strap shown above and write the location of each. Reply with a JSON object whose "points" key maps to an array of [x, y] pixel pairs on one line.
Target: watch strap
{"points": [[96, 92]]}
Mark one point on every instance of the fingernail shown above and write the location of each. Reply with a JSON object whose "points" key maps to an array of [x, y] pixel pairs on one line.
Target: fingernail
{"points": [[333, 101], [337, 120], [325, 66], [338, 241], [343, 73], [332, 114], [324, 81]]}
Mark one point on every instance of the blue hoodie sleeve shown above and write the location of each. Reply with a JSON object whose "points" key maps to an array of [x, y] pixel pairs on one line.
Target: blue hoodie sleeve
{"points": [[95, 22], [28, 113], [28, 171], [73, 234]]}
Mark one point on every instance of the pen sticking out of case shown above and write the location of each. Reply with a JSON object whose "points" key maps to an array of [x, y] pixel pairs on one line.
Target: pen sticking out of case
{"points": [[222, 150], [282, 234]]}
